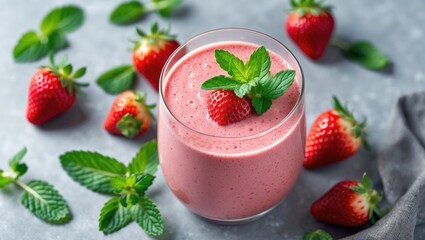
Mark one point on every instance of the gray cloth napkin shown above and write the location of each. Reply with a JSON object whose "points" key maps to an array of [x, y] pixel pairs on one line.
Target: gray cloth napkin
{"points": [[401, 165]]}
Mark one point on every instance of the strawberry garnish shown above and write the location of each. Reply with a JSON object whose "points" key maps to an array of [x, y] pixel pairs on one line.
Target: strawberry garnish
{"points": [[129, 116], [310, 26], [152, 51], [224, 107], [52, 91], [249, 86], [334, 136], [349, 203]]}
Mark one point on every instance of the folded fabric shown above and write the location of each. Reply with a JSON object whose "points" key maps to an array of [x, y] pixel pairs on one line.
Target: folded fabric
{"points": [[401, 165]]}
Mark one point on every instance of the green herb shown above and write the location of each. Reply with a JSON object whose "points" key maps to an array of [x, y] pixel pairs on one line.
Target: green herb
{"points": [[318, 234], [251, 79], [132, 11], [363, 53], [33, 46], [118, 79], [41, 198], [127, 185]]}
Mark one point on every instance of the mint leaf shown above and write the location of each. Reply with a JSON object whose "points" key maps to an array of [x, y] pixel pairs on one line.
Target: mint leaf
{"points": [[30, 47], [165, 7], [277, 85], [242, 90], [261, 105], [63, 19], [258, 64], [45, 202], [147, 215], [317, 235], [232, 64], [143, 182], [220, 82], [367, 55], [56, 41], [127, 12], [118, 79], [4, 181], [146, 159], [92, 169], [118, 183], [113, 216], [16, 160]]}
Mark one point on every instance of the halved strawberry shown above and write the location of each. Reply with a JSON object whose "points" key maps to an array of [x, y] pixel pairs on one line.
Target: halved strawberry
{"points": [[224, 107], [152, 51], [349, 203], [334, 136], [129, 115]]}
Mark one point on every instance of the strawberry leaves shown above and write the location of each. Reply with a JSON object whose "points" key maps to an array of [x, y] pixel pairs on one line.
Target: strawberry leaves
{"points": [[118, 79], [33, 46], [318, 234], [251, 79]]}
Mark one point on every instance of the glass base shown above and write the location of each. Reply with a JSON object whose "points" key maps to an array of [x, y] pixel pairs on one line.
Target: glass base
{"points": [[235, 221]]}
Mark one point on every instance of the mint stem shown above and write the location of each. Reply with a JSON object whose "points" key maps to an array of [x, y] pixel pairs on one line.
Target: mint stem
{"points": [[339, 44], [29, 190]]}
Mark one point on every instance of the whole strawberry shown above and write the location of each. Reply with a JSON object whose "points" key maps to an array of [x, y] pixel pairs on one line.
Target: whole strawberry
{"points": [[334, 136], [152, 51], [349, 203], [52, 91], [224, 107], [310, 26], [129, 115]]}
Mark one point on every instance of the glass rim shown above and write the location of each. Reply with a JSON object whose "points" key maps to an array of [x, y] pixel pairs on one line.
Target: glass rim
{"points": [[255, 135]]}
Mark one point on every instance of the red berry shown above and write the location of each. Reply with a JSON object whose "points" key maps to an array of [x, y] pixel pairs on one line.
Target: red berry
{"points": [[349, 203], [334, 136], [224, 107], [310, 26], [129, 115], [151, 52]]}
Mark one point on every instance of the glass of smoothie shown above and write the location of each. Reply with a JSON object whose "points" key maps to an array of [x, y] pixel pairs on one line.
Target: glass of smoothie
{"points": [[238, 172]]}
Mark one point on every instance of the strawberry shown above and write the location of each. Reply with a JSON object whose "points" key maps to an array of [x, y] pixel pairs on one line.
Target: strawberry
{"points": [[152, 51], [310, 26], [52, 91], [129, 115], [349, 203], [334, 136], [224, 107]]}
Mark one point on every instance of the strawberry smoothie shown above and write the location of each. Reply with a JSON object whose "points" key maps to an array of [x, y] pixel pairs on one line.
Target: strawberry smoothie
{"points": [[229, 173]]}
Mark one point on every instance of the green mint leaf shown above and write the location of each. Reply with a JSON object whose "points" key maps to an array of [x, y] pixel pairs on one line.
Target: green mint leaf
{"points": [[143, 182], [56, 41], [113, 216], [31, 47], [63, 19], [17, 158], [4, 181], [147, 215], [258, 64], [220, 82], [118, 183], [146, 159], [165, 7], [277, 85], [367, 55], [127, 12], [45, 202], [243, 90], [261, 105], [232, 64], [92, 169], [317, 235], [118, 79]]}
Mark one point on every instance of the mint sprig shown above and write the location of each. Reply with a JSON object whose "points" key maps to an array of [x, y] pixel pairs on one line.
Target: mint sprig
{"points": [[363, 53], [251, 79], [126, 184], [40, 197], [60, 21], [132, 11]]}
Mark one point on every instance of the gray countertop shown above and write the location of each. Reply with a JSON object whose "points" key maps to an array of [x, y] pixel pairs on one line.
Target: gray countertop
{"points": [[395, 26]]}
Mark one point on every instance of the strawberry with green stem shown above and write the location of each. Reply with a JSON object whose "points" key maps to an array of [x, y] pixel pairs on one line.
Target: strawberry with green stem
{"points": [[349, 203], [129, 116], [335, 135], [53, 90], [250, 87]]}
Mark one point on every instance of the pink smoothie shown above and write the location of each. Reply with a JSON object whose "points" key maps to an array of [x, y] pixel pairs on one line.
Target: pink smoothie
{"points": [[234, 171]]}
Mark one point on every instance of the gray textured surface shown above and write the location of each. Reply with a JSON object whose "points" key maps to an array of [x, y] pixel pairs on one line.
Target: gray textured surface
{"points": [[394, 26]]}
